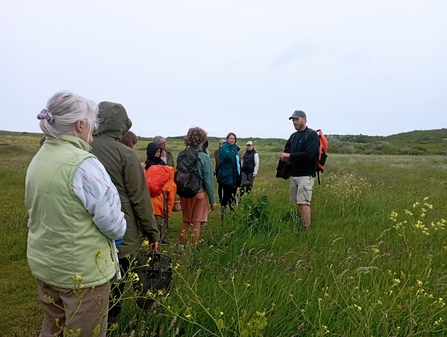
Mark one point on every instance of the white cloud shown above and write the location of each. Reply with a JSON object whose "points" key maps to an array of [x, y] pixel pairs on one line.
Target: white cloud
{"points": [[374, 68]]}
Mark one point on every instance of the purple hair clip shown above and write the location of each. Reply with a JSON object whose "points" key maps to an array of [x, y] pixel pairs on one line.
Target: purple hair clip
{"points": [[46, 114]]}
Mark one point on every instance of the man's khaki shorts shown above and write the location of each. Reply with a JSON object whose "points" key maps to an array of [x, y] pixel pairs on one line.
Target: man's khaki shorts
{"points": [[301, 190]]}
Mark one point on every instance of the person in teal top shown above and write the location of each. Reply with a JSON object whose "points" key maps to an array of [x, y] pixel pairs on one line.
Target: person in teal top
{"points": [[195, 209], [74, 219], [229, 172]]}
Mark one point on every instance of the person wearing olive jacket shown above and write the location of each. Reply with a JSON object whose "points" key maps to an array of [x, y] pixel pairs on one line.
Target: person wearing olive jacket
{"points": [[229, 172], [124, 168]]}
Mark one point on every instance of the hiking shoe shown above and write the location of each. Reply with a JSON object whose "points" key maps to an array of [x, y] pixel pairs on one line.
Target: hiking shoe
{"points": [[164, 242]]}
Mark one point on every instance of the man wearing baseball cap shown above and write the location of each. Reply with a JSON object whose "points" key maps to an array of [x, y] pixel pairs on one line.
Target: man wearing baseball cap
{"points": [[302, 151]]}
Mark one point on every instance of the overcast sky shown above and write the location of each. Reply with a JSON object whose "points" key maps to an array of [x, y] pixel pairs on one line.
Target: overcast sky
{"points": [[355, 67]]}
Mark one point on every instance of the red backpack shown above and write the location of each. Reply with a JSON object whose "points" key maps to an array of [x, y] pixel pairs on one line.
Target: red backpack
{"points": [[322, 152]]}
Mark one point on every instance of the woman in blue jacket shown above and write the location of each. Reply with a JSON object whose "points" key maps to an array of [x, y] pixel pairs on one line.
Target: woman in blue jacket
{"points": [[229, 172]]}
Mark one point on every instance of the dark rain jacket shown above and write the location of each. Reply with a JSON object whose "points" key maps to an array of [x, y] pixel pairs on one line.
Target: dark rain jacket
{"points": [[124, 168], [303, 147], [228, 165]]}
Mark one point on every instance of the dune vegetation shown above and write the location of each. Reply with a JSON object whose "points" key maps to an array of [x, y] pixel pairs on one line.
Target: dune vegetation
{"points": [[372, 264]]}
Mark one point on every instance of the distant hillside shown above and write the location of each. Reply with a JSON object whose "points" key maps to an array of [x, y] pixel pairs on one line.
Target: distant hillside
{"points": [[426, 142], [419, 142]]}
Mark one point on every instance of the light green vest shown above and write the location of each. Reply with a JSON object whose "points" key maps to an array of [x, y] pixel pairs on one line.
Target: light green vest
{"points": [[63, 241]]}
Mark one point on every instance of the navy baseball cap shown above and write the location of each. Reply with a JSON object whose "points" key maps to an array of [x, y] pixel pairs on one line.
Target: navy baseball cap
{"points": [[297, 114]]}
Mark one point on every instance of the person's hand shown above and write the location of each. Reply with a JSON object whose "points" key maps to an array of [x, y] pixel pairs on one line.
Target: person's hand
{"points": [[283, 155], [254, 175], [153, 246], [213, 206]]}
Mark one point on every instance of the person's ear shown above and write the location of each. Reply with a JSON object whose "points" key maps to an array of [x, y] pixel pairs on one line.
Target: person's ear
{"points": [[80, 125]]}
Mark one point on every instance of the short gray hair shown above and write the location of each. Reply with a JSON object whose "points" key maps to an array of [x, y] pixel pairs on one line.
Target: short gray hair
{"points": [[157, 139], [68, 108]]}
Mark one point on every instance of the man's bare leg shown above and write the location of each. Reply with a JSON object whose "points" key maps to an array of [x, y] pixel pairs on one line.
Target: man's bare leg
{"points": [[305, 215]]}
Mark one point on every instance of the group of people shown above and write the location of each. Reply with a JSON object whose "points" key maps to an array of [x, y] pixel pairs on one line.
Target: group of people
{"points": [[91, 205], [232, 172]]}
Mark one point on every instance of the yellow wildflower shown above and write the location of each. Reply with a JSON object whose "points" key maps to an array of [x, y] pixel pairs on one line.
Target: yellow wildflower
{"points": [[393, 216], [357, 307], [438, 322]]}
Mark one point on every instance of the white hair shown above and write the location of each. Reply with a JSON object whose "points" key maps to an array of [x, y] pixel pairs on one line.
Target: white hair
{"points": [[157, 139], [68, 108]]}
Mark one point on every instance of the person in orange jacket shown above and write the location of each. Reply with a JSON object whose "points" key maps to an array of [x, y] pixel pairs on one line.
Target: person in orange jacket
{"points": [[162, 188]]}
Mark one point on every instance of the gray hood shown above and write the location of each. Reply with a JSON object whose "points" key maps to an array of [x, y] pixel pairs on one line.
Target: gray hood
{"points": [[113, 120]]}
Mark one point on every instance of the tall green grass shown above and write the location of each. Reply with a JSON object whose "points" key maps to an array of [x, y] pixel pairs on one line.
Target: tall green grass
{"points": [[373, 263]]}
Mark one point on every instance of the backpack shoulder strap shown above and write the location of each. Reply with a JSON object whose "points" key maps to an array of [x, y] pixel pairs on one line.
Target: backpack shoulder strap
{"points": [[309, 130], [291, 138]]}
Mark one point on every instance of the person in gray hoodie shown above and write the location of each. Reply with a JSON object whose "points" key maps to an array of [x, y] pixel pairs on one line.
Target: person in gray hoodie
{"points": [[124, 168]]}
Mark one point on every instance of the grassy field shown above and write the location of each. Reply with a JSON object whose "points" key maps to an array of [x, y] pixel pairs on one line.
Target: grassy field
{"points": [[373, 263]]}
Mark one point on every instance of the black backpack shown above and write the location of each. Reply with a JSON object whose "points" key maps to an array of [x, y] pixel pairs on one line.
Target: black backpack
{"points": [[187, 176]]}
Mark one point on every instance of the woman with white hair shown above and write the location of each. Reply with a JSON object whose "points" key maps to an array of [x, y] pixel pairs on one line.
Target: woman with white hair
{"points": [[74, 219]]}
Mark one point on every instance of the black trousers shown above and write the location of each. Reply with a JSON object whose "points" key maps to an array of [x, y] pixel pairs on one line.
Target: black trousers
{"points": [[220, 192], [228, 197], [117, 291]]}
